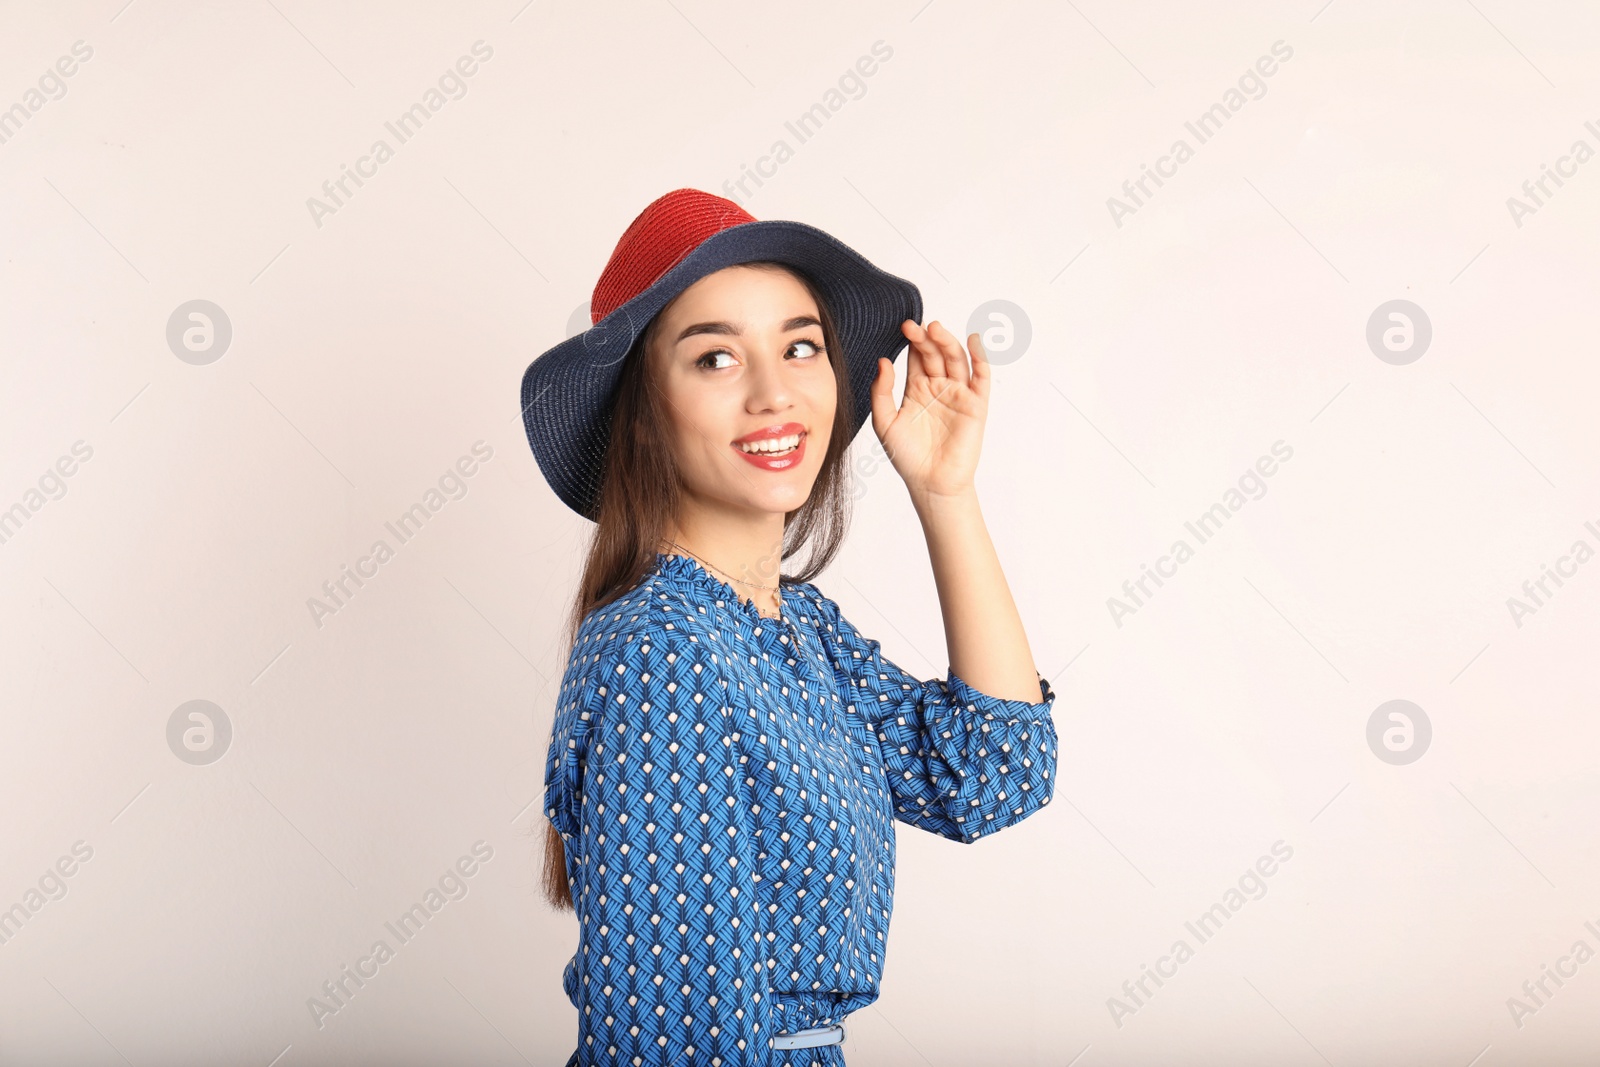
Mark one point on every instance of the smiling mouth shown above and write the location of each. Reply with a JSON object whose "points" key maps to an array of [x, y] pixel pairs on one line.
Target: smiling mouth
{"points": [[775, 446]]}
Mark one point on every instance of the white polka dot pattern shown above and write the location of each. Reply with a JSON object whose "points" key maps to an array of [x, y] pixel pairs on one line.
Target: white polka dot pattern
{"points": [[726, 786]]}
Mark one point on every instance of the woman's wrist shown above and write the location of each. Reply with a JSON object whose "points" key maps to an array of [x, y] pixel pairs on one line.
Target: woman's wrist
{"points": [[935, 508]]}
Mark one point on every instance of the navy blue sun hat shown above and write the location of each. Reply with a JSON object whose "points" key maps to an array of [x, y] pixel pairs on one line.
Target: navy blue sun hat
{"points": [[568, 391]]}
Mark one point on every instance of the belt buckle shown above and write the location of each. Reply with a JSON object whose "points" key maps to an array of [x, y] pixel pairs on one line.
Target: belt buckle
{"points": [[815, 1037]]}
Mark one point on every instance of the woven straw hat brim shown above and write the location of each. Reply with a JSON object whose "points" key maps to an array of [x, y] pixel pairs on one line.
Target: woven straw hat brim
{"points": [[567, 391]]}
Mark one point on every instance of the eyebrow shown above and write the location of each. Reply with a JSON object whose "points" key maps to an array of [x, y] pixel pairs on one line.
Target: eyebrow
{"points": [[799, 322]]}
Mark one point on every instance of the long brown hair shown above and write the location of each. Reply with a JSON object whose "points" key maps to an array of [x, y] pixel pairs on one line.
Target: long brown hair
{"points": [[639, 493]]}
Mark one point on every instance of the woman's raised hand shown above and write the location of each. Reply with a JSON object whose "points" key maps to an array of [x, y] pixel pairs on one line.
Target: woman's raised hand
{"points": [[933, 440]]}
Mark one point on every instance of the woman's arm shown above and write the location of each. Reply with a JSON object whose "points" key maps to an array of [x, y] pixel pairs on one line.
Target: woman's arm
{"points": [[982, 629], [958, 762], [669, 967], [933, 440]]}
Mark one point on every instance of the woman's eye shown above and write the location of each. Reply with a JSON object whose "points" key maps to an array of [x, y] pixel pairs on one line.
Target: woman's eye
{"points": [[701, 362], [808, 350]]}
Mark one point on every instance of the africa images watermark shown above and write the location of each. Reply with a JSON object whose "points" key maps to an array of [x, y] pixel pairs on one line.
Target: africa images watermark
{"points": [[51, 87], [1210, 922], [1203, 528], [1530, 1002], [1538, 591], [52, 485], [1580, 153], [199, 732], [452, 485], [52, 886], [1204, 127], [403, 128], [337, 992], [806, 125]]}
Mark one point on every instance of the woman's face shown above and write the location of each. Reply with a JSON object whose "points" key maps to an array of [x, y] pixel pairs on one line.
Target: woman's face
{"points": [[741, 363]]}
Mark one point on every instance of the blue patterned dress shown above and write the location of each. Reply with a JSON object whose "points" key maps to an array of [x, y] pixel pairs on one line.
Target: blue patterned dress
{"points": [[726, 787]]}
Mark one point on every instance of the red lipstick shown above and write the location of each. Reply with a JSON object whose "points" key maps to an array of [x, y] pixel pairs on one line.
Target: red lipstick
{"points": [[767, 460]]}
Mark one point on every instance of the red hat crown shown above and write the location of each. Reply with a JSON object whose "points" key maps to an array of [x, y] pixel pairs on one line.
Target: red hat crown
{"points": [[669, 229]]}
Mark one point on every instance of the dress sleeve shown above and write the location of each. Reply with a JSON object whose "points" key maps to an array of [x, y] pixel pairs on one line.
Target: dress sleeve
{"points": [[669, 967], [960, 763]]}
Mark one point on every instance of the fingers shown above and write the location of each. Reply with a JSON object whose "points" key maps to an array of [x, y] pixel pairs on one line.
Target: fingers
{"points": [[882, 394], [940, 351], [980, 365], [955, 357], [919, 363]]}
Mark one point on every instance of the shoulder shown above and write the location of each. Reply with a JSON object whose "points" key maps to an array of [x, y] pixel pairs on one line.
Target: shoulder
{"points": [[822, 613], [651, 635], [813, 602], [642, 676], [653, 607]]}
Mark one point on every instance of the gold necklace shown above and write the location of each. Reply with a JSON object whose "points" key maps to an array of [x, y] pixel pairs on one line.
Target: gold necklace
{"points": [[725, 574]]}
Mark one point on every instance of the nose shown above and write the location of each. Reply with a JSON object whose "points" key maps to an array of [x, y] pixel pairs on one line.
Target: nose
{"points": [[768, 388]]}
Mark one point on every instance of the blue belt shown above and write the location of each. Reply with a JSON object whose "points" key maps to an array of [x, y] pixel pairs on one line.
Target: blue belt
{"points": [[812, 1038]]}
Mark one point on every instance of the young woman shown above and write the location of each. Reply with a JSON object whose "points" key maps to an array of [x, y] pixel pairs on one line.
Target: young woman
{"points": [[729, 753]]}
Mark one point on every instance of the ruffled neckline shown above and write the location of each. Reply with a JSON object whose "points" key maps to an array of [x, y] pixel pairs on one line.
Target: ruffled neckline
{"points": [[690, 569]]}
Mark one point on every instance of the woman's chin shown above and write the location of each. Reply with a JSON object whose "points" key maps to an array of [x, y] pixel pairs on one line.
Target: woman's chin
{"points": [[781, 499], [783, 503]]}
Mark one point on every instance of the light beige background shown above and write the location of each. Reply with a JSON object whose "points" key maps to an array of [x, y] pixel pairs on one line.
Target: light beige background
{"points": [[1168, 353]]}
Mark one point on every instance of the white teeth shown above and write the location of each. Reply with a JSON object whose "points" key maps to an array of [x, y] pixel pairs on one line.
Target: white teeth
{"points": [[773, 446]]}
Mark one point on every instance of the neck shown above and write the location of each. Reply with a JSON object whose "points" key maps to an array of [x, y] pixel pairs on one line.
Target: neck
{"points": [[743, 545]]}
